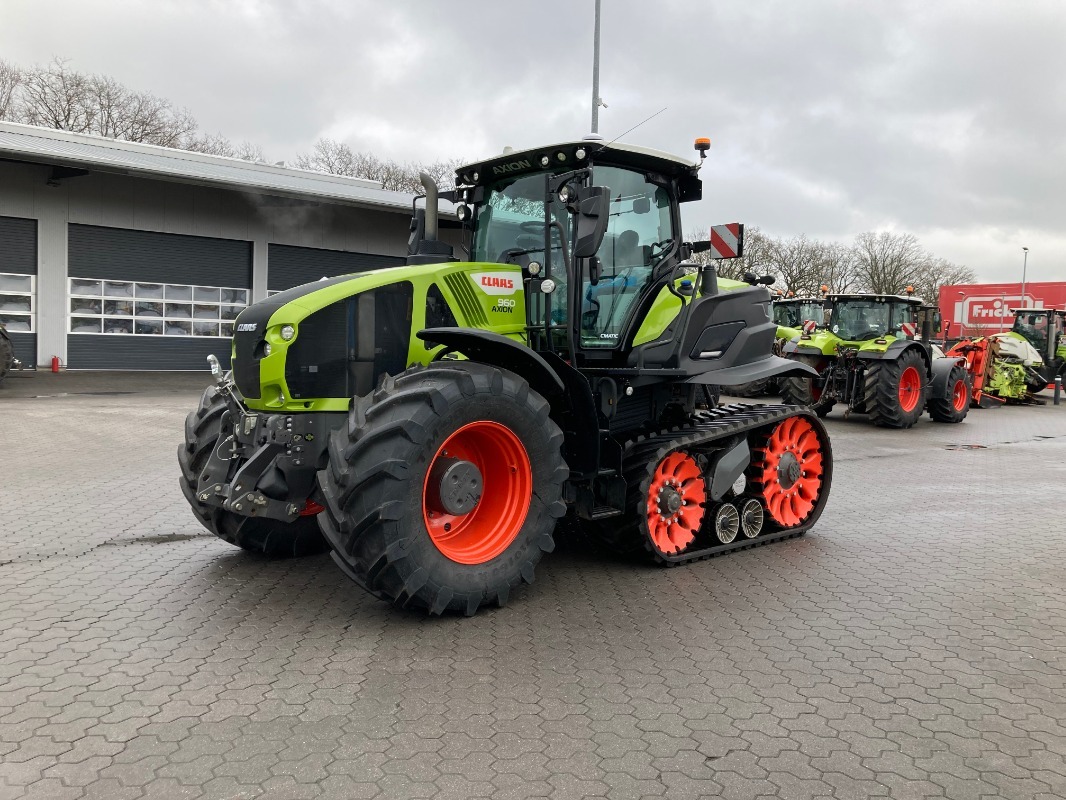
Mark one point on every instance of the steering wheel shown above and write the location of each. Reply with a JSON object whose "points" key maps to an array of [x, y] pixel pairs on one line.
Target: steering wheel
{"points": [[664, 244]]}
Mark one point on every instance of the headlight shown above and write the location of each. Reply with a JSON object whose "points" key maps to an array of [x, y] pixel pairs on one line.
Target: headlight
{"points": [[266, 349], [287, 332]]}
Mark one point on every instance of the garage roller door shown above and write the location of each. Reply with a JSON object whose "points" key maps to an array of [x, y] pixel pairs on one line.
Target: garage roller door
{"points": [[18, 285], [153, 301], [290, 266]]}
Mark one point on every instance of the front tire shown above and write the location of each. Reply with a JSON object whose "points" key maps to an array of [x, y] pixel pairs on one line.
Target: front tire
{"points": [[896, 390], [397, 524], [204, 427]]}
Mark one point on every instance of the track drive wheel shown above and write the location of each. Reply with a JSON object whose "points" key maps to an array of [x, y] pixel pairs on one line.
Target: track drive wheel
{"points": [[204, 427], [955, 404], [791, 470], [804, 391], [443, 490], [896, 390]]}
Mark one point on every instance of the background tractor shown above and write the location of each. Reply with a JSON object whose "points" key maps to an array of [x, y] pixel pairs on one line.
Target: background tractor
{"points": [[1015, 365], [789, 314], [869, 359], [435, 421]]}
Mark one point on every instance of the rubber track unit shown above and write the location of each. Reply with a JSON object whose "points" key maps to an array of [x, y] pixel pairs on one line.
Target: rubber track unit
{"points": [[705, 428], [373, 486], [882, 391], [274, 538]]}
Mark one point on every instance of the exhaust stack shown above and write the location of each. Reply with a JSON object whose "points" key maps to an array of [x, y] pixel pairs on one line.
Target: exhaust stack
{"points": [[423, 247]]}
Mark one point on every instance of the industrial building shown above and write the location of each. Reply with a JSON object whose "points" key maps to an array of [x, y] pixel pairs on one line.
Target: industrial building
{"points": [[116, 255]]}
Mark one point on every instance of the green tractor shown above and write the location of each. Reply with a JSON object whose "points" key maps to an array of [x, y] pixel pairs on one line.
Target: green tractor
{"points": [[789, 314], [869, 359], [432, 423]]}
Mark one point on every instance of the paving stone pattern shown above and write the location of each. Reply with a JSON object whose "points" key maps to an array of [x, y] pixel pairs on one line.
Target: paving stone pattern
{"points": [[912, 645]]}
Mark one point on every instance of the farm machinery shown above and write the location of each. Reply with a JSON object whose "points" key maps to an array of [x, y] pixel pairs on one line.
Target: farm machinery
{"points": [[870, 359], [1014, 366], [431, 423]]}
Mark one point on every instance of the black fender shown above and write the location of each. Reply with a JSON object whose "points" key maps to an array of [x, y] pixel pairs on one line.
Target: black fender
{"points": [[492, 348], [938, 386], [895, 350], [769, 367]]}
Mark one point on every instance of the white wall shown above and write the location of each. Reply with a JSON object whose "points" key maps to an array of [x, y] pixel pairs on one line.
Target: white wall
{"points": [[153, 205]]}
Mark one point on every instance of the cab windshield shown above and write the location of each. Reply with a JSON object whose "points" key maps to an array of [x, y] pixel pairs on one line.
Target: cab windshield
{"points": [[1034, 328], [858, 320], [793, 315]]}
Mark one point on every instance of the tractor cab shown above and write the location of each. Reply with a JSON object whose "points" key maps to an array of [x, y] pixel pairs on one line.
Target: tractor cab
{"points": [[865, 317], [595, 230], [1043, 328], [792, 312]]}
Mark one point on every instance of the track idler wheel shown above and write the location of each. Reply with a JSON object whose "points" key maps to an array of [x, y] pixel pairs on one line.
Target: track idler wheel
{"points": [[751, 518], [726, 523], [789, 468]]}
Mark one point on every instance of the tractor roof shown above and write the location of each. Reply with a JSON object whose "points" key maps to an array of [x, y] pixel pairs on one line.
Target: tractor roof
{"points": [[798, 299], [566, 155], [877, 298], [1037, 311]]}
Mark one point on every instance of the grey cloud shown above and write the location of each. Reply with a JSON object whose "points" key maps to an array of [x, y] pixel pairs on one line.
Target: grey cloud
{"points": [[828, 118]]}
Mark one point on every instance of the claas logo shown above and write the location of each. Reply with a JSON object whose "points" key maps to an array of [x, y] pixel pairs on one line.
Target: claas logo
{"points": [[501, 283], [498, 284]]}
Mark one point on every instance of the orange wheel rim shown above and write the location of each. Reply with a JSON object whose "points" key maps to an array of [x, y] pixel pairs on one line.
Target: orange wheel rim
{"points": [[489, 528], [792, 471], [675, 503], [910, 388], [959, 396]]}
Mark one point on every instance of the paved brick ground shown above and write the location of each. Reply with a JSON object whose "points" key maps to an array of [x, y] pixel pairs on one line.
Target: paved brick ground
{"points": [[912, 645]]}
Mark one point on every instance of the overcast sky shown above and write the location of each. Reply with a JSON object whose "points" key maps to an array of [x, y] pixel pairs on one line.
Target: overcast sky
{"points": [[943, 119]]}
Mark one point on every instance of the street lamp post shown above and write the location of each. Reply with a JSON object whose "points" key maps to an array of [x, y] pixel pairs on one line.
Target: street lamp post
{"points": [[1025, 263]]}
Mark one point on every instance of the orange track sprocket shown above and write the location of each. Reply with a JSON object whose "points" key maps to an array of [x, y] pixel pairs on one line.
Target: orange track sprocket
{"points": [[789, 468], [675, 502]]}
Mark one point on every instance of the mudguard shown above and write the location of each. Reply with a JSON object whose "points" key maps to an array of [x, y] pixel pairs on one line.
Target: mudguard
{"points": [[769, 367], [894, 351], [799, 348], [942, 367]]}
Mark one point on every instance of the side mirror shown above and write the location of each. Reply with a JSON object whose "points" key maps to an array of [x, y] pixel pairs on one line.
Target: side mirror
{"points": [[591, 208], [767, 280], [641, 205]]}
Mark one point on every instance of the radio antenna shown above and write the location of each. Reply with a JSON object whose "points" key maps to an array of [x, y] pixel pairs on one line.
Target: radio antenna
{"points": [[619, 136]]}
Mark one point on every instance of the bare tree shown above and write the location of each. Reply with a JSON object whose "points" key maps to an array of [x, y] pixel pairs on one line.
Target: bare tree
{"points": [[797, 264], [937, 272], [837, 267], [337, 158], [10, 80], [888, 262]]}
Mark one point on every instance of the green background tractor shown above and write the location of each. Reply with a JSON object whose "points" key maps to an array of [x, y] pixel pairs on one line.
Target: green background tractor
{"points": [[435, 421], [869, 359]]}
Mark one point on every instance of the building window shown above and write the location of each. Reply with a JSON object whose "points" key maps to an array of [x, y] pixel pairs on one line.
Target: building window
{"points": [[153, 309], [17, 293]]}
